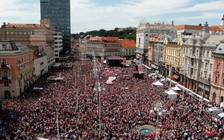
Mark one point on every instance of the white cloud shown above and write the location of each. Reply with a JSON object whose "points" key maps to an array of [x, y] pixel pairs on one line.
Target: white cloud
{"points": [[19, 11], [88, 15]]}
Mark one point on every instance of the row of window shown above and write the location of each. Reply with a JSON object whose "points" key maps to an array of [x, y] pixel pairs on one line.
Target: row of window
{"points": [[205, 53], [18, 39], [19, 33]]}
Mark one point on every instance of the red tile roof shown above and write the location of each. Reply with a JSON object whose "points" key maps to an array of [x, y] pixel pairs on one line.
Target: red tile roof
{"points": [[127, 43], [196, 27], [25, 25], [215, 28], [108, 39]]}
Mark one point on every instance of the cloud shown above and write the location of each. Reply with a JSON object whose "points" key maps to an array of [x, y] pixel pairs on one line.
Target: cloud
{"points": [[128, 12], [91, 15], [19, 11]]}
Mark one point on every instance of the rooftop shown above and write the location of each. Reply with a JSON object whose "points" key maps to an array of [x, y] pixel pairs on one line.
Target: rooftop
{"points": [[127, 43], [220, 49], [9, 25]]}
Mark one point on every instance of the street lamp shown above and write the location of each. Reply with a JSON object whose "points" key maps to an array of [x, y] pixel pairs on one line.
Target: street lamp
{"points": [[159, 112]]}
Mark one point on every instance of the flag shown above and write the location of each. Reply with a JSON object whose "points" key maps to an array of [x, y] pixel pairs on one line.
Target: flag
{"points": [[8, 66]]}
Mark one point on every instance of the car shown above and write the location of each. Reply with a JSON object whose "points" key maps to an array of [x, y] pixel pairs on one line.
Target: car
{"points": [[214, 110], [220, 117]]}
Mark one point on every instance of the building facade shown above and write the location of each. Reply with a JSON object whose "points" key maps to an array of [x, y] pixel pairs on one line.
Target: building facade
{"points": [[144, 31], [128, 48], [217, 80], [58, 44], [172, 57], [16, 70], [197, 60], [103, 46], [39, 35], [19, 33], [58, 11], [43, 39]]}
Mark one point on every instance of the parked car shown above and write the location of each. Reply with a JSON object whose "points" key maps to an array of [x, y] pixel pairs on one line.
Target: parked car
{"points": [[214, 110]]}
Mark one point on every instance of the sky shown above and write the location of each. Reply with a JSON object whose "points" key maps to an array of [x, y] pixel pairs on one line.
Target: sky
{"points": [[87, 15]]}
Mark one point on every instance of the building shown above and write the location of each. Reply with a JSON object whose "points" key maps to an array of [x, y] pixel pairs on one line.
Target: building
{"points": [[58, 44], [128, 47], [39, 35], [43, 39], [189, 30], [172, 57], [151, 49], [103, 46], [58, 11], [217, 80], [144, 31], [157, 61], [198, 62], [16, 70], [19, 33]]}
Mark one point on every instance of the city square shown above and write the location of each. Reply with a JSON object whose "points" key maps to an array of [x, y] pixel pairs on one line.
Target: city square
{"points": [[111, 70], [73, 103]]}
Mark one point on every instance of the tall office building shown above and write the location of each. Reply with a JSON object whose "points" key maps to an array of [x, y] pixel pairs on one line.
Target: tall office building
{"points": [[58, 11]]}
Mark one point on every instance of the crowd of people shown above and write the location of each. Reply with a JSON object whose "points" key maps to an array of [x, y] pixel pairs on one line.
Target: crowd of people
{"points": [[73, 103]]}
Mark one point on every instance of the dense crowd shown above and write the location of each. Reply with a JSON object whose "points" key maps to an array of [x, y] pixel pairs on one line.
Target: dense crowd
{"points": [[125, 105]]}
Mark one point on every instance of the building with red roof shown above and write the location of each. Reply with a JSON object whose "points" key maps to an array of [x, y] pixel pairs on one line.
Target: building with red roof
{"points": [[128, 47]]}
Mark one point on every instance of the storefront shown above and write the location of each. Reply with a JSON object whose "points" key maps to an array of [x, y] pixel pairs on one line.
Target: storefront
{"points": [[204, 88]]}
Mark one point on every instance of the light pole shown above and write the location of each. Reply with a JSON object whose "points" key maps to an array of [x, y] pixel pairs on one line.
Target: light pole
{"points": [[159, 112], [57, 122]]}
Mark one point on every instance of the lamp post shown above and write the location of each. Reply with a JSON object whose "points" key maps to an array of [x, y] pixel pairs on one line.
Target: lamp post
{"points": [[97, 89], [159, 112]]}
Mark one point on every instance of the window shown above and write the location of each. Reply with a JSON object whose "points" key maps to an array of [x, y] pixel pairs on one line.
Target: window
{"points": [[210, 67], [5, 74], [216, 79], [190, 51], [217, 67], [207, 53], [223, 82], [6, 84]]}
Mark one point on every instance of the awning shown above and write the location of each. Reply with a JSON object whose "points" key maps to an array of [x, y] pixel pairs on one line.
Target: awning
{"points": [[175, 76], [154, 66]]}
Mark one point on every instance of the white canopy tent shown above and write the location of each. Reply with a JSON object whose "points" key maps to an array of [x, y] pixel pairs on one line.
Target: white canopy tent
{"points": [[171, 94], [39, 138], [157, 83], [188, 90], [176, 89], [110, 80]]}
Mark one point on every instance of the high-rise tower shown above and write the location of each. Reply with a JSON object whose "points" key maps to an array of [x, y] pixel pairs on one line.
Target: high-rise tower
{"points": [[58, 11]]}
